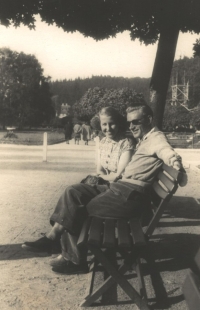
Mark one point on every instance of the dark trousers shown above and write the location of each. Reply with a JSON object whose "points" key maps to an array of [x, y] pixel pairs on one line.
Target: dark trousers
{"points": [[119, 200]]}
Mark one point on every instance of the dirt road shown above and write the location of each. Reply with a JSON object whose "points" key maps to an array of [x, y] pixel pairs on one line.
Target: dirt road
{"points": [[29, 190]]}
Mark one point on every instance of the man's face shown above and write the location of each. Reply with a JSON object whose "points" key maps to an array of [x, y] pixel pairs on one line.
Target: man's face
{"points": [[139, 124]]}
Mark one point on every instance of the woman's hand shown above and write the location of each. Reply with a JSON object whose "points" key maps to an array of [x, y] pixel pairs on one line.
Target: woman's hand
{"points": [[112, 177]]}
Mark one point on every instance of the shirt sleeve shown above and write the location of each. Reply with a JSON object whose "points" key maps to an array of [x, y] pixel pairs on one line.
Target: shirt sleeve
{"points": [[165, 151], [127, 145]]}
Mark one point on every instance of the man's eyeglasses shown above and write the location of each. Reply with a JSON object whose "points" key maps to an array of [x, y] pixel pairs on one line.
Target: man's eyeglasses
{"points": [[135, 122]]}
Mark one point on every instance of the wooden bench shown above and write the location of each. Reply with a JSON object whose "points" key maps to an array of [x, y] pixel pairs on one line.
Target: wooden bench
{"points": [[191, 286], [126, 237]]}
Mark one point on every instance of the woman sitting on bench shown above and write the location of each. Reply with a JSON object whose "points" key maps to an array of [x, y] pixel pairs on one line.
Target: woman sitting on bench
{"points": [[115, 152]]}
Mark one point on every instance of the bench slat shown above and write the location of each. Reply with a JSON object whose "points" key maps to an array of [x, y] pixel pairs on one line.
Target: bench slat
{"points": [[96, 231], [124, 237], [159, 190], [137, 232], [171, 171], [166, 181], [109, 233]]}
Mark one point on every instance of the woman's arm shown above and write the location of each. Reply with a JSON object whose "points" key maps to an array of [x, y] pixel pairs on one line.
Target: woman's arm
{"points": [[123, 162], [100, 169]]}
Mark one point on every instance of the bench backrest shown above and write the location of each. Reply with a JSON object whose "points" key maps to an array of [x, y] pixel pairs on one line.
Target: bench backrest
{"points": [[163, 188]]}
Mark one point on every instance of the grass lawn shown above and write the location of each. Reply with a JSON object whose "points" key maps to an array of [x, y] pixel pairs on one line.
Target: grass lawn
{"points": [[32, 137]]}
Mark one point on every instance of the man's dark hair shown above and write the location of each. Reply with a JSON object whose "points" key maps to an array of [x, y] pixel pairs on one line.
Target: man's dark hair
{"points": [[146, 110]]}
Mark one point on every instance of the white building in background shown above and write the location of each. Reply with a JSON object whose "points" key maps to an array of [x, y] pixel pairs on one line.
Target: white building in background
{"points": [[65, 110]]}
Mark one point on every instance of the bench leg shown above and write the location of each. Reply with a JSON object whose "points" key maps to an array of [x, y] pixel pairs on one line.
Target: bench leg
{"points": [[102, 288], [143, 292], [116, 276]]}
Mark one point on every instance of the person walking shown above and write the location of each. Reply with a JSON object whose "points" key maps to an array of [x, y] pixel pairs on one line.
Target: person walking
{"points": [[86, 132], [68, 128], [77, 133]]}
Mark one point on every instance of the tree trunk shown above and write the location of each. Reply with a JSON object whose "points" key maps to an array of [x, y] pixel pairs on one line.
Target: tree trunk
{"points": [[162, 71]]}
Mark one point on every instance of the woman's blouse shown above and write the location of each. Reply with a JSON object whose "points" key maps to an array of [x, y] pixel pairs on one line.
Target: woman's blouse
{"points": [[111, 151]]}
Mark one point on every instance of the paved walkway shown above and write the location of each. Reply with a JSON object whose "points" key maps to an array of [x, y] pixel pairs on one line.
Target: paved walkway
{"points": [[30, 189]]}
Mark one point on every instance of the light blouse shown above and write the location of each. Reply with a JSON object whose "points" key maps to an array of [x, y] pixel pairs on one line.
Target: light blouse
{"points": [[111, 151]]}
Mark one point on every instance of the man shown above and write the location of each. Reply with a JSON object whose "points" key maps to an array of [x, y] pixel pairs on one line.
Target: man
{"points": [[125, 198]]}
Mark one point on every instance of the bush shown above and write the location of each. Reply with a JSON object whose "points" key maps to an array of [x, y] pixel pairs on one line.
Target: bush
{"points": [[10, 135], [56, 123]]}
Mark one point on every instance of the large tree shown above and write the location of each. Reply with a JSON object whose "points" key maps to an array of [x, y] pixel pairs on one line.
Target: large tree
{"points": [[96, 98], [148, 20], [24, 91]]}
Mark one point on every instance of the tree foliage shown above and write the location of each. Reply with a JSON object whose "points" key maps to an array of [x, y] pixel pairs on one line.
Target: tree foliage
{"points": [[102, 19], [147, 20], [175, 116], [65, 91], [97, 98], [187, 70], [24, 91], [178, 116]]}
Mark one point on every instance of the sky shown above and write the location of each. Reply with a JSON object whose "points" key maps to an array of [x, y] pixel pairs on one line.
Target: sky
{"points": [[65, 55]]}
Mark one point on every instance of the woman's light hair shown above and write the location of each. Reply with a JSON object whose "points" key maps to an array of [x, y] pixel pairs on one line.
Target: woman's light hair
{"points": [[117, 117], [146, 110]]}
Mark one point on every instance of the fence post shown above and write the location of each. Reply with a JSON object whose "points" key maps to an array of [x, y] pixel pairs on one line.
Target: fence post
{"points": [[97, 149], [192, 140], [45, 146]]}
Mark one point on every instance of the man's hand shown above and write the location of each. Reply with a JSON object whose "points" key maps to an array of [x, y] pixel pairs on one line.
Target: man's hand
{"points": [[183, 176], [177, 165]]}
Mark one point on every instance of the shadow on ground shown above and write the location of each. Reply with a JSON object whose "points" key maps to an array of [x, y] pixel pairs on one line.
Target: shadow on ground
{"points": [[166, 252], [15, 252]]}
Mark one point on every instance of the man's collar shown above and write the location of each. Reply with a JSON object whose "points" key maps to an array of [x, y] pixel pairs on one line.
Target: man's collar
{"points": [[146, 136], [148, 133]]}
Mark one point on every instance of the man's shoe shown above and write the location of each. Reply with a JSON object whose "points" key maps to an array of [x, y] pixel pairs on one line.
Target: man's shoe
{"points": [[71, 268], [43, 244], [59, 261]]}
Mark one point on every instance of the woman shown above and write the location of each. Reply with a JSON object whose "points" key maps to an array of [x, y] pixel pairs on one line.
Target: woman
{"points": [[67, 219], [115, 151]]}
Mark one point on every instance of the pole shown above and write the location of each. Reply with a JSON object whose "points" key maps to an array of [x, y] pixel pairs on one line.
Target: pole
{"points": [[45, 146], [97, 149]]}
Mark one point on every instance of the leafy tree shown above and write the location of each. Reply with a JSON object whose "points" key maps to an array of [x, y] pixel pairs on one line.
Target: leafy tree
{"points": [[24, 91], [97, 98], [176, 116], [148, 20], [195, 118], [64, 91]]}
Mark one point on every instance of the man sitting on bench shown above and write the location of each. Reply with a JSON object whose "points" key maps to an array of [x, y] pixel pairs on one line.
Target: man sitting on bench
{"points": [[125, 198]]}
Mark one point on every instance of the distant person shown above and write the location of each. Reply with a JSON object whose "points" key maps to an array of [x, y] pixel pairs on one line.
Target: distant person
{"points": [[68, 128], [86, 132], [77, 133]]}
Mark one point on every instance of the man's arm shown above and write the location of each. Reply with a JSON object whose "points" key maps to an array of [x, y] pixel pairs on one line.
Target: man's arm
{"points": [[165, 152]]}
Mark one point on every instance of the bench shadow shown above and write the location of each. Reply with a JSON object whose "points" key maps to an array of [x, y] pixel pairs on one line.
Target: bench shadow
{"points": [[182, 207], [169, 253]]}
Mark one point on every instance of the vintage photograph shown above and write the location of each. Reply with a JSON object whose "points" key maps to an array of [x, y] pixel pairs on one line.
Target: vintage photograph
{"points": [[100, 154]]}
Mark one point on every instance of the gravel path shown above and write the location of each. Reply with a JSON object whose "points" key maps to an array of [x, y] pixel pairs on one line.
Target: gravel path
{"points": [[30, 189]]}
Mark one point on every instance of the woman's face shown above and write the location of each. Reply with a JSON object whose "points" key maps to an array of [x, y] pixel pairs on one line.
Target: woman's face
{"points": [[108, 126]]}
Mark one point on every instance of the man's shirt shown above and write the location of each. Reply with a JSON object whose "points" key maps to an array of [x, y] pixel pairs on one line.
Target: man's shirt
{"points": [[151, 152]]}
